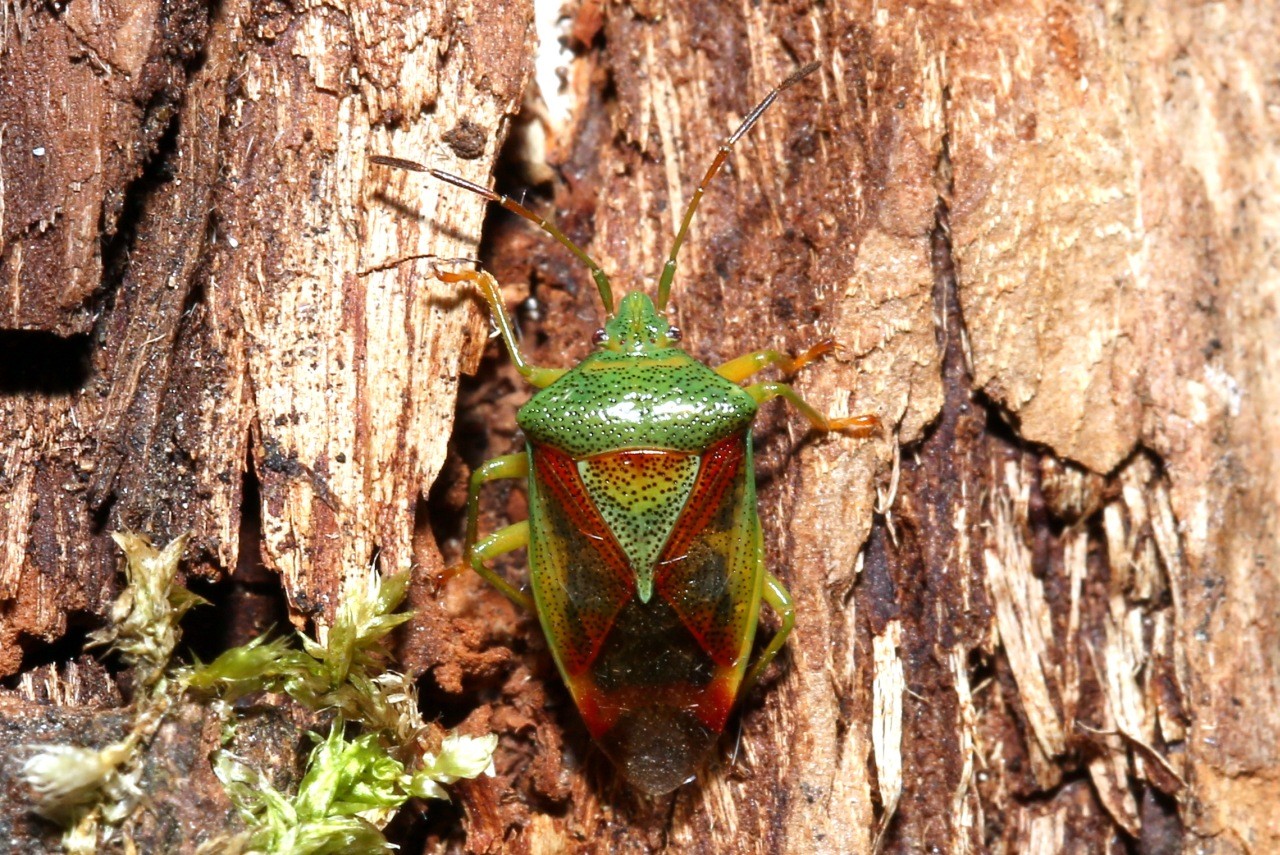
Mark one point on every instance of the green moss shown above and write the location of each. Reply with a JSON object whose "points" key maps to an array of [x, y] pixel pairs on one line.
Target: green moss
{"points": [[375, 757]]}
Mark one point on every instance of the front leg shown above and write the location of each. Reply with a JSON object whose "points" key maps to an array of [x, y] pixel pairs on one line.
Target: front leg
{"points": [[744, 366], [492, 294]]}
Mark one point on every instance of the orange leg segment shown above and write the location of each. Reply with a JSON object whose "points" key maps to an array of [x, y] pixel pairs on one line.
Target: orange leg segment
{"points": [[492, 294], [744, 366], [862, 426]]}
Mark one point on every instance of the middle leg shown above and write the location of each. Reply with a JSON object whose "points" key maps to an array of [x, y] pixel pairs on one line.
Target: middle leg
{"points": [[864, 425]]}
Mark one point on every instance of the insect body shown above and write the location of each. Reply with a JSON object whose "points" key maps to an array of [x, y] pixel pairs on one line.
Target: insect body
{"points": [[645, 551]]}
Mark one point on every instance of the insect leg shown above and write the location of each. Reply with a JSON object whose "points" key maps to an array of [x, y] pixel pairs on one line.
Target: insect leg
{"points": [[502, 541], [744, 366], [779, 599], [488, 288], [853, 425], [506, 466]]}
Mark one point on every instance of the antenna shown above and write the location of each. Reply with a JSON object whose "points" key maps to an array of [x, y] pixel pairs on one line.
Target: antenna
{"points": [[597, 273], [669, 269]]}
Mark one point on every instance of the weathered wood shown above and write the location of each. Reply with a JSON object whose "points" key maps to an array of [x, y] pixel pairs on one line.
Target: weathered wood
{"points": [[1037, 615], [1112, 267], [273, 287], [72, 410], [268, 303], [88, 96]]}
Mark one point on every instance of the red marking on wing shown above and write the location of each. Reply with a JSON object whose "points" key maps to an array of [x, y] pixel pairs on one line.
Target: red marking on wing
{"points": [[680, 578], [558, 477]]}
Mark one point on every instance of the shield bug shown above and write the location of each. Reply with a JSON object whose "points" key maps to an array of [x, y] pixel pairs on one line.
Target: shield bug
{"points": [[646, 561]]}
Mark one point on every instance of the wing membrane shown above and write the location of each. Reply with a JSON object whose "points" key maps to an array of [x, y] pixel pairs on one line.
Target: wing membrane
{"points": [[707, 571], [582, 577]]}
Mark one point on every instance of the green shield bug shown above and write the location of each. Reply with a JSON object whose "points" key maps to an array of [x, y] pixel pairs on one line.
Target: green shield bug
{"points": [[646, 560]]}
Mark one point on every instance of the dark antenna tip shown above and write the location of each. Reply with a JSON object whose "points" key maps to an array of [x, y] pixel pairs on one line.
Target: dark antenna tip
{"points": [[397, 163], [799, 75], [669, 269]]}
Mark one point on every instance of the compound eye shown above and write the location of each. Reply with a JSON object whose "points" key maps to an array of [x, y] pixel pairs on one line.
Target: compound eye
{"points": [[674, 334], [599, 337]]}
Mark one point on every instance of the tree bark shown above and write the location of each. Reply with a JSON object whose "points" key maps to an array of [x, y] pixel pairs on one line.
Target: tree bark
{"points": [[1036, 615]]}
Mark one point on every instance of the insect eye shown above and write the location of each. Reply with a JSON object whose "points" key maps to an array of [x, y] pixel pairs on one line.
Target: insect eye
{"points": [[674, 334], [599, 337]]}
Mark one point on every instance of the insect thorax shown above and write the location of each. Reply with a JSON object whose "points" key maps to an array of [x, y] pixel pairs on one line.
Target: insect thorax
{"points": [[611, 401]]}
